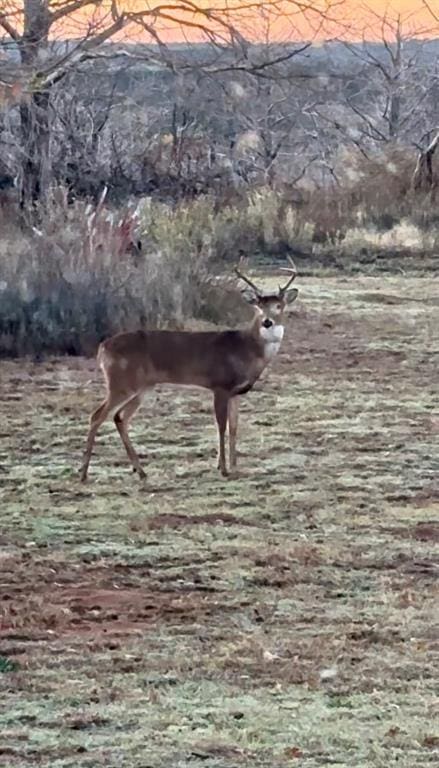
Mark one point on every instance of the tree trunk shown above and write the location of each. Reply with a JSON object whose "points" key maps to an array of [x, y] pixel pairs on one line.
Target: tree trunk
{"points": [[396, 84], [34, 114], [395, 112], [35, 135], [423, 176]]}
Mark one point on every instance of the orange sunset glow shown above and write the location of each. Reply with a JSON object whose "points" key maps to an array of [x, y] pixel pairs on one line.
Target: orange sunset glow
{"points": [[277, 21], [256, 20]]}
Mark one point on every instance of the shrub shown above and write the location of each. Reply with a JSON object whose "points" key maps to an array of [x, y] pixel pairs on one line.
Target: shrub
{"points": [[68, 285]]}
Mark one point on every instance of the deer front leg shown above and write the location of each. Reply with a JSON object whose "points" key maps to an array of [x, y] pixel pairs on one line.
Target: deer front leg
{"points": [[96, 420], [233, 429], [221, 407], [121, 419]]}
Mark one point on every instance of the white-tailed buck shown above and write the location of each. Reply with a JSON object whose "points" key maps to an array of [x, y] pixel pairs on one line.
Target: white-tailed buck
{"points": [[226, 362]]}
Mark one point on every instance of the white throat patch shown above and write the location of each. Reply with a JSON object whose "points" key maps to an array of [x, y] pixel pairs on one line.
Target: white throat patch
{"points": [[272, 338]]}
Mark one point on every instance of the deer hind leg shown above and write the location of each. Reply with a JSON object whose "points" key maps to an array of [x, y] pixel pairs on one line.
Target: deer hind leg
{"points": [[96, 420], [233, 408], [121, 419], [221, 403]]}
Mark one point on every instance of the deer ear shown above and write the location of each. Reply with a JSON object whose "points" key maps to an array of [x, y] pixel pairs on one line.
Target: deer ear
{"points": [[291, 295]]}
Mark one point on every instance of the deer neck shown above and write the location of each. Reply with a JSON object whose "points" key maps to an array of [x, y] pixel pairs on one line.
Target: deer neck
{"points": [[270, 339]]}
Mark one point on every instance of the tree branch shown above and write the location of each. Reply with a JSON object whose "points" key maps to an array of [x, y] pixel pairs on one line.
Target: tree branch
{"points": [[9, 29], [71, 7]]}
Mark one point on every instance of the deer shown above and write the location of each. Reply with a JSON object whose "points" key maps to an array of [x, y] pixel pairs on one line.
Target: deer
{"points": [[226, 362]]}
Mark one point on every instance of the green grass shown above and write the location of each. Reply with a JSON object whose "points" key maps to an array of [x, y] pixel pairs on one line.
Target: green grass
{"points": [[283, 617]]}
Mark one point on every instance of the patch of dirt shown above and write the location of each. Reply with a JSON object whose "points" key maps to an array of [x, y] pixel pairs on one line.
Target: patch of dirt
{"points": [[118, 609], [228, 751], [181, 521], [425, 531]]}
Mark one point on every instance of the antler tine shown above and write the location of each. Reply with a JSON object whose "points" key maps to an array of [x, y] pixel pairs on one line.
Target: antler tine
{"points": [[293, 272], [248, 281]]}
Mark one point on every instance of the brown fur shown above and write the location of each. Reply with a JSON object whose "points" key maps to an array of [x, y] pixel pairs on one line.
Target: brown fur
{"points": [[214, 360]]}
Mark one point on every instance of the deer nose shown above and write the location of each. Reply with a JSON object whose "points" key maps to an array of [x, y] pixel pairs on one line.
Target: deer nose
{"points": [[267, 323]]}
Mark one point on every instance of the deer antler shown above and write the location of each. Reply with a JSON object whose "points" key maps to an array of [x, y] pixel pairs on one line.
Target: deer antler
{"points": [[248, 281], [293, 272]]}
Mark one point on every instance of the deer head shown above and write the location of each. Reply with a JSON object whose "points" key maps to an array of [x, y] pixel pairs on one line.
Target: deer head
{"points": [[271, 306]]}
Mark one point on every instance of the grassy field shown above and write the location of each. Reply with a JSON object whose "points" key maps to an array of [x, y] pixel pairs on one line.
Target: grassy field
{"points": [[285, 617]]}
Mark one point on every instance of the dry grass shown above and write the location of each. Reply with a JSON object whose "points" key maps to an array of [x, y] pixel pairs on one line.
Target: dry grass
{"points": [[81, 276], [282, 618]]}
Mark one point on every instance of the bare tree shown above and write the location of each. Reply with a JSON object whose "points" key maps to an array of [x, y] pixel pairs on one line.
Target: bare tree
{"points": [[35, 33], [391, 96]]}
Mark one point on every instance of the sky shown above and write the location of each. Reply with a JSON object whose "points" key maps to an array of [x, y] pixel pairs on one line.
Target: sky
{"points": [[352, 19], [414, 13]]}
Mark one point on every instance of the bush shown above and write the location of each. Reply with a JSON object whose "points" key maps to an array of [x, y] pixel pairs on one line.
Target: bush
{"points": [[73, 282]]}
